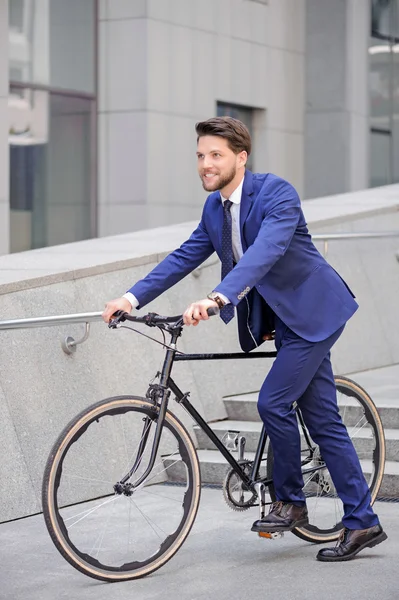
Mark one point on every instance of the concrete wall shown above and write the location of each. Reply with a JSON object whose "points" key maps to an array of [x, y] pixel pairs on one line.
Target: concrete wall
{"points": [[337, 96], [163, 65], [4, 152], [41, 388]]}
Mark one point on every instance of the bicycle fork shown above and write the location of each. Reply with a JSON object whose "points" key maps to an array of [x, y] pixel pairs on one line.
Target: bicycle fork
{"points": [[161, 395], [122, 487]]}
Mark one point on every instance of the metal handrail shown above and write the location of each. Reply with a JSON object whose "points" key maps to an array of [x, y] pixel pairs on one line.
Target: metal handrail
{"points": [[69, 343], [323, 237], [360, 234], [48, 321]]}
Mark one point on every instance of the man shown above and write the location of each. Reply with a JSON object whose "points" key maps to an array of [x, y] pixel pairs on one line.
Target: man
{"points": [[281, 286]]}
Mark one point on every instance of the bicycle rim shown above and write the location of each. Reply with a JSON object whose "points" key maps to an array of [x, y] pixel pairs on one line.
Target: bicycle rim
{"points": [[116, 536]]}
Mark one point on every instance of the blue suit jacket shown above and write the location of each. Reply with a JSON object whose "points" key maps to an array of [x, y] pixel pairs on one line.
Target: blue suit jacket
{"points": [[280, 269]]}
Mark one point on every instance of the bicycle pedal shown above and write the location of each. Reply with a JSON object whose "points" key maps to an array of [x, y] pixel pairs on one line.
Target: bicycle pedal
{"points": [[276, 535]]}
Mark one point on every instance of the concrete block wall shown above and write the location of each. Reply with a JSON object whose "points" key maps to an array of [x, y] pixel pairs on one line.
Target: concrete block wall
{"points": [[337, 126], [163, 66]]}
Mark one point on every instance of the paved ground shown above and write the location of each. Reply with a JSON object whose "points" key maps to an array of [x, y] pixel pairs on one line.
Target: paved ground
{"points": [[221, 559]]}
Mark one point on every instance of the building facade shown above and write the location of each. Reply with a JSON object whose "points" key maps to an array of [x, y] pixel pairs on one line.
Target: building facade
{"points": [[99, 99]]}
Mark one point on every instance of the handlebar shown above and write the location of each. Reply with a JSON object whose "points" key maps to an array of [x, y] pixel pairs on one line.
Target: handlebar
{"points": [[152, 319]]}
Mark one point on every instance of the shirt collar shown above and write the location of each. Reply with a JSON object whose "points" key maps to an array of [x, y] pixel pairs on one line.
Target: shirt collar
{"points": [[235, 197]]}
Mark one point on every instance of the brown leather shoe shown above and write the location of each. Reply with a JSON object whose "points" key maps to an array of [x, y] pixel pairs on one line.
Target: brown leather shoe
{"points": [[282, 516], [352, 541]]}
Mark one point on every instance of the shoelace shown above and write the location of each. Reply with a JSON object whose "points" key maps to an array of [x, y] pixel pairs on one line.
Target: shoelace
{"points": [[341, 537]]}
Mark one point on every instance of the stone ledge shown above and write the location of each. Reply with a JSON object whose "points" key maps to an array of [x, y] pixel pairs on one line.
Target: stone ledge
{"points": [[68, 262]]}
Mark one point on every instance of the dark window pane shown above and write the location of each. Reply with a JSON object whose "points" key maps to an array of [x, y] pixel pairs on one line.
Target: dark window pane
{"points": [[381, 17], [16, 14], [380, 83], [53, 43], [380, 152], [50, 169]]}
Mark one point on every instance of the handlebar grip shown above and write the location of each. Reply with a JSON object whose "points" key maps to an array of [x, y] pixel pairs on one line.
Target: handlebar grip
{"points": [[119, 314], [212, 311], [118, 317]]}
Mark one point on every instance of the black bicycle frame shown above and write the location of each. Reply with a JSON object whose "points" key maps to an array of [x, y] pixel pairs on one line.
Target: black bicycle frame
{"points": [[182, 399], [166, 383]]}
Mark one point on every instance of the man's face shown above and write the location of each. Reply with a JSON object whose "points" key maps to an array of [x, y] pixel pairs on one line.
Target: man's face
{"points": [[217, 164]]}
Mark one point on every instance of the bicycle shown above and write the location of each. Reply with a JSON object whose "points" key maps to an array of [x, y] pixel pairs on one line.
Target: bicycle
{"points": [[122, 483]]}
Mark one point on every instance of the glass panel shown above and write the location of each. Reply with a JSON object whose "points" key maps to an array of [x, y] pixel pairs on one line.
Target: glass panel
{"points": [[50, 175], [381, 12], [51, 42], [16, 15], [22, 31], [395, 120], [380, 73], [395, 21], [242, 113], [72, 27], [380, 151]]}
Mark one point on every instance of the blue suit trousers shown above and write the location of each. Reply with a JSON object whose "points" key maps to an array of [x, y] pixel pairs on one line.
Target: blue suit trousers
{"points": [[302, 372]]}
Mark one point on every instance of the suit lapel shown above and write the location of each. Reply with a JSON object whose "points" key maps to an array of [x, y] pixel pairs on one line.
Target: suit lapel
{"points": [[219, 222], [246, 203]]}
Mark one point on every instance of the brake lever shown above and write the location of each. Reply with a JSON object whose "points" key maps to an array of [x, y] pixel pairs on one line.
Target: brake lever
{"points": [[117, 320]]}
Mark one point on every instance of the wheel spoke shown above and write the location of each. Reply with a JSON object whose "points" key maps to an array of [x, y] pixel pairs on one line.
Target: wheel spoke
{"points": [[89, 511]]}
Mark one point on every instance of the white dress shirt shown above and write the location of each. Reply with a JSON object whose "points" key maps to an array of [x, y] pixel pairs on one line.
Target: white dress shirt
{"points": [[235, 198]]}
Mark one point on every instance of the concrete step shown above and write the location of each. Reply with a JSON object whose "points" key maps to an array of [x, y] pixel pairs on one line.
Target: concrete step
{"points": [[214, 468], [251, 431], [243, 407]]}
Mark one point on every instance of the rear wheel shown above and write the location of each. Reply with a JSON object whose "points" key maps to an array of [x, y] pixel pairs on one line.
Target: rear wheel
{"points": [[112, 532], [364, 426]]}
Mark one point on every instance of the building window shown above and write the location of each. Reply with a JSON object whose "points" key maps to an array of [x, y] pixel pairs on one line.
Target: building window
{"points": [[49, 169], [52, 122], [384, 92], [244, 114]]}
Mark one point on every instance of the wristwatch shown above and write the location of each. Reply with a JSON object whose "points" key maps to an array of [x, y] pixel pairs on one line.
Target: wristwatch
{"points": [[216, 298]]}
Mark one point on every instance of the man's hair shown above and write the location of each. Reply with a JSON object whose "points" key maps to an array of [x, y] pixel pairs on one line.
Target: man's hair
{"points": [[232, 130]]}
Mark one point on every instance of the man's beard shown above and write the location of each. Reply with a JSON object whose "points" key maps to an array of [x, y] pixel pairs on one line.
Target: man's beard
{"points": [[223, 181]]}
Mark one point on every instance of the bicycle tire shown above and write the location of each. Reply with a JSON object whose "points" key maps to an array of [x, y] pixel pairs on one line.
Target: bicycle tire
{"points": [[90, 419], [350, 389]]}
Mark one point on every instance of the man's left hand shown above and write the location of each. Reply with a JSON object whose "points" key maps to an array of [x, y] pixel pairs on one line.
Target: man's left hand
{"points": [[196, 312]]}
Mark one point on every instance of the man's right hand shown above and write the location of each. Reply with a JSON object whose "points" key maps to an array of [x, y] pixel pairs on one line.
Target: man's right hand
{"points": [[114, 305]]}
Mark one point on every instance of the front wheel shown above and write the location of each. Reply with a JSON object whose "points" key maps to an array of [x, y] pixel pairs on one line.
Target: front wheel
{"points": [[364, 426], [113, 532]]}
